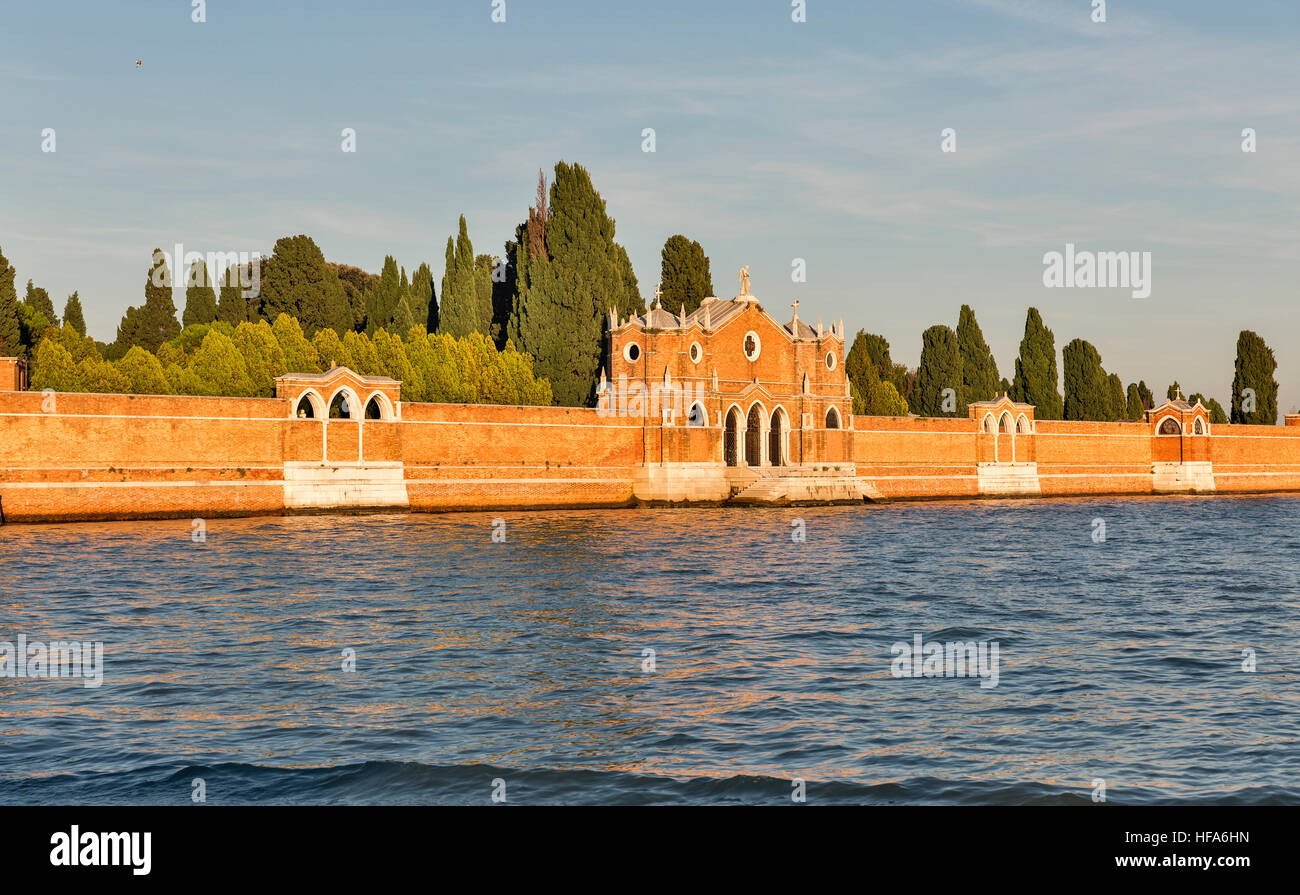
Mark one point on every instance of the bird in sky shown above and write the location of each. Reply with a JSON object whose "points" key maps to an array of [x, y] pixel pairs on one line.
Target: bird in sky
{"points": [[139, 62]]}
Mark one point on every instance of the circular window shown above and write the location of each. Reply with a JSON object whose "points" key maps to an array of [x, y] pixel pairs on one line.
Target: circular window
{"points": [[752, 346], [632, 351], [830, 360], [697, 353]]}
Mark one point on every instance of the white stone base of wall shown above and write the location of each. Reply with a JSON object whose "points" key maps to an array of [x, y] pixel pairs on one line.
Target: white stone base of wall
{"points": [[1008, 479], [344, 486], [1193, 476], [681, 483]]}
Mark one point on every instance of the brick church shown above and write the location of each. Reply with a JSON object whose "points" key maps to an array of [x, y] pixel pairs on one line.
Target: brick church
{"points": [[729, 386]]}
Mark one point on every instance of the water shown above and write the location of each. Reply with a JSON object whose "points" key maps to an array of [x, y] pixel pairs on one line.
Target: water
{"points": [[522, 660]]}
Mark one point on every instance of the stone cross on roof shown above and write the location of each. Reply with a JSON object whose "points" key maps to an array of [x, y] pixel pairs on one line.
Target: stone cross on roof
{"points": [[795, 304], [658, 292]]}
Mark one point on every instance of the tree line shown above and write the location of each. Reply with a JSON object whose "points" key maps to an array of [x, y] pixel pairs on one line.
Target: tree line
{"points": [[957, 368]]}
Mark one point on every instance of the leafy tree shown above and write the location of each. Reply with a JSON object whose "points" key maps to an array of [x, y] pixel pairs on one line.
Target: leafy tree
{"points": [[154, 322], [979, 369], [262, 355], [940, 370], [331, 351], [298, 282], [1116, 405], [72, 315], [356, 283], [200, 297], [218, 368], [32, 327], [143, 372], [299, 354], [1254, 370], [484, 265], [1148, 399], [1036, 378], [422, 300], [54, 367], [10, 330], [685, 279], [384, 296], [99, 376]]}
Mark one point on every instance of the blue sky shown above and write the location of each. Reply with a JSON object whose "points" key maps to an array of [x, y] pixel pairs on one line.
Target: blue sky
{"points": [[775, 141]]}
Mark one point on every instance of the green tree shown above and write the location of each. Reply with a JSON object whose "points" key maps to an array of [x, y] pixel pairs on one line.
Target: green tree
{"points": [[1213, 407], [458, 312], [423, 302], [200, 297], [299, 354], [1133, 402], [263, 358], [154, 322], [144, 373], [1148, 399], [39, 300], [218, 368], [484, 265], [233, 306], [1116, 405], [979, 369], [54, 367], [1254, 390], [565, 293], [1036, 378], [685, 279], [384, 296], [940, 371], [72, 315], [297, 281], [1175, 392], [1087, 390], [10, 330]]}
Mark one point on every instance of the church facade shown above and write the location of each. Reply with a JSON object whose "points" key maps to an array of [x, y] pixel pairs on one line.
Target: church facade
{"points": [[727, 395]]}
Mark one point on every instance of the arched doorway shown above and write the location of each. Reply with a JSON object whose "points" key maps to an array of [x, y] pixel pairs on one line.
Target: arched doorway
{"points": [[776, 439], [754, 436], [731, 438], [305, 409], [373, 410]]}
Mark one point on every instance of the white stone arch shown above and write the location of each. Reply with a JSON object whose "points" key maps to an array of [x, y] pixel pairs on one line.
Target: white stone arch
{"points": [[356, 410], [386, 412], [1200, 427], [697, 415], [1172, 419], [834, 411], [989, 425], [1023, 425], [319, 409], [1006, 426]]}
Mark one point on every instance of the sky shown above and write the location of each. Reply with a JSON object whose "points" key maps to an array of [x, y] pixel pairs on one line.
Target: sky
{"points": [[775, 140]]}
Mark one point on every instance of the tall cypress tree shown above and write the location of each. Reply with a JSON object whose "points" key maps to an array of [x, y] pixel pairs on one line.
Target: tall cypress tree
{"points": [[10, 331], [1254, 370], [483, 267], [458, 311], [383, 297], [684, 274], [565, 295], [1133, 403], [200, 297], [233, 307], [940, 370], [1036, 378], [979, 369], [154, 322], [37, 299], [72, 315], [1087, 389], [1116, 406], [421, 296]]}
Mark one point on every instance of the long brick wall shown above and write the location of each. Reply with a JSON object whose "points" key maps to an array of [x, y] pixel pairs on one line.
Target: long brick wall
{"points": [[75, 457]]}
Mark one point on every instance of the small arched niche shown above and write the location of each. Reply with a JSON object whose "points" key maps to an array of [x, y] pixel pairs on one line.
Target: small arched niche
{"points": [[342, 406]]}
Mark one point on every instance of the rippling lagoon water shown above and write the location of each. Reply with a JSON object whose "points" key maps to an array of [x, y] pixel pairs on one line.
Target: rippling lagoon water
{"points": [[522, 660]]}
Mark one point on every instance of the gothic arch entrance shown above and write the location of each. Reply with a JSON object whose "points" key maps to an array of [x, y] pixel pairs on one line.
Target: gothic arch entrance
{"points": [[731, 438], [754, 436], [776, 439]]}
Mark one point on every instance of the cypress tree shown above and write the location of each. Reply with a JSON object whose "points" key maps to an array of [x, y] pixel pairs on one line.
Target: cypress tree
{"points": [[1133, 403], [37, 299], [154, 322], [1148, 399], [10, 332], [565, 294], [200, 297], [458, 312], [1116, 405], [383, 297], [483, 267], [684, 273], [630, 302], [1036, 378], [1214, 408], [72, 315], [421, 298], [233, 307], [1254, 370], [1087, 389], [941, 369], [979, 369]]}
